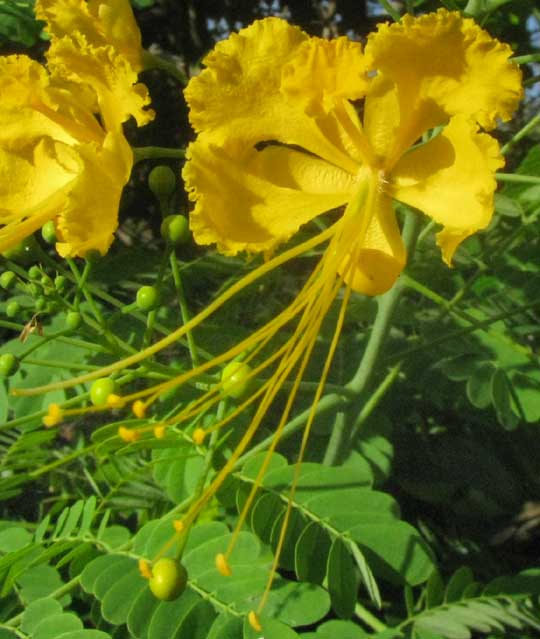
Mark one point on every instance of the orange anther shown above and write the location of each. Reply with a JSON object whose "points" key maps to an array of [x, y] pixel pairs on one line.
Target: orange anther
{"points": [[223, 565], [53, 417], [198, 436], [138, 408], [115, 401], [178, 525], [128, 435], [144, 569], [254, 621], [159, 432]]}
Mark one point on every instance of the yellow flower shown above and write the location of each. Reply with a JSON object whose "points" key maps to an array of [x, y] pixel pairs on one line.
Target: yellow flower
{"points": [[57, 161], [281, 141]]}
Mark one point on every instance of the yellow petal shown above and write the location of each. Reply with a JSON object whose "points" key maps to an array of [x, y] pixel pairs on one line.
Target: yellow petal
{"points": [[382, 120], [380, 256], [90, 215], [239, 94], [108, 73], [33, 173], [254, 200], [101, 22], [323, 71], [443, 64], [451, 179], [33, 105]]}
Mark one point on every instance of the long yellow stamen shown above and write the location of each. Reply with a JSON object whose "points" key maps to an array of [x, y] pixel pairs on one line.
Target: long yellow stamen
{"points": [[188, 326]]}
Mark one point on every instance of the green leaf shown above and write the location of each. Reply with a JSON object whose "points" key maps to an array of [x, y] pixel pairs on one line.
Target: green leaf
{"points": [[479, 386], [313, 542], [15, 538], [38, 610], [457, 584], [38, 582], [395, 551], [54, 626], [501, 398], [226, 626], [343, 580], [340, 629]]}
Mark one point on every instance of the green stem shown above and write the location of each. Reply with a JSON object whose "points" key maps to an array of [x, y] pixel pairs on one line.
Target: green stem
{"points": [[369, 619], [341, 434], [526, 59], [523, 132], [516, 177], [184, 311], [156, 153], [374, 400]]}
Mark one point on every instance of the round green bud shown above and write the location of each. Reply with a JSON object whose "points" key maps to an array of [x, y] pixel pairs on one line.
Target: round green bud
{"points": [[169, 579], [46, 280], [235, 380], [34, 272], [13, 309], [175, 230], [41, 303], [25, 252], [60, 283], [34, 289], [73, 320], [162, 181], [101, 389], [147, 298], [8, 364], [8, 280], [48, 232]]}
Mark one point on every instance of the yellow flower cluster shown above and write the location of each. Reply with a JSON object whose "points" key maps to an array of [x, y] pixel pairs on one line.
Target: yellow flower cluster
{"points": [[63, 155], [290, 127]]}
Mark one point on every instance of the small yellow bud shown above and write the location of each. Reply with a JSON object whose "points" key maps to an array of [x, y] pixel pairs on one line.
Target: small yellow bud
{"points": [[178, 525], [198, 436], [53, 417], [115, 401], [223, 565], [159, 432], [138, 408], [254, 621], [144, 569], [128, 435]]}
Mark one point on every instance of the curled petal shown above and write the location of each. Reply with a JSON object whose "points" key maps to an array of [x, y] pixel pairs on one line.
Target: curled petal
{"points": [[322, 71], [442, 65], [90, 215], [254, 200], [239, 94], [101, 22], [108, 73], [451, 179]]}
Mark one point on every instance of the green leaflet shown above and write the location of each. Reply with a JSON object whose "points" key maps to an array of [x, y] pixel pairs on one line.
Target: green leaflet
{"points": [[358, 529], [211, 603], [45, 619], [464, 607]]}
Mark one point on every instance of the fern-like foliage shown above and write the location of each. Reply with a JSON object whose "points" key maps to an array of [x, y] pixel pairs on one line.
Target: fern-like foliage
{"points": [[212, 606], [466, 608], [353, 531]]}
